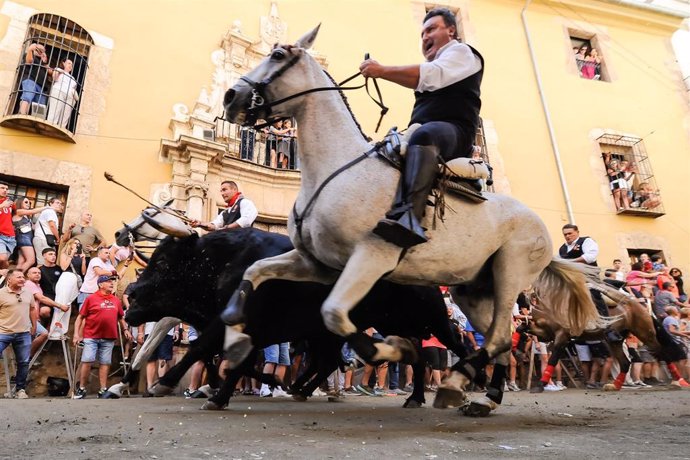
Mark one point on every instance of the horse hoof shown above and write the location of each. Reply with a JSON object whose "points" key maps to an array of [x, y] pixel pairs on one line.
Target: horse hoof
{"points": [[207, 391], [610, 387], [109, 395], [299, 397], [475, 410], [405, 347], [116, 390], [234, 310], [412, 404], [210, 405], [537, 389], [238, 349], [338, 322], [446, 397], [160, 390]]}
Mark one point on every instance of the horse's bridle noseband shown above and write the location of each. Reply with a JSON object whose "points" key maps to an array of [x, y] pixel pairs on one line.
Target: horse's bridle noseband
{"points": [[259, 106]]}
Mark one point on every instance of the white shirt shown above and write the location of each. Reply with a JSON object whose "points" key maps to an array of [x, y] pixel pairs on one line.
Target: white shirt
{"points": [[458, 315], [46, 216], [590, 249], [248, 215], [454, 61], [90, 284]]}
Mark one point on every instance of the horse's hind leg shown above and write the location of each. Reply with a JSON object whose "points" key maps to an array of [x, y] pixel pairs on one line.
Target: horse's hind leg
{"points": [[510, 273], [366, 265], [624, 364]]}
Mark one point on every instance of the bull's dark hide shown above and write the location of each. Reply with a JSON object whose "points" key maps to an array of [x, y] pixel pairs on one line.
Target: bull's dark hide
{"points": [[192, 278]]}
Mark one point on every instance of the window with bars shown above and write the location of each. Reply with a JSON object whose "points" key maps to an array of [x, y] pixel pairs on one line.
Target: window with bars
{"points": [[49, 77], [629, 171], [38, 193]]}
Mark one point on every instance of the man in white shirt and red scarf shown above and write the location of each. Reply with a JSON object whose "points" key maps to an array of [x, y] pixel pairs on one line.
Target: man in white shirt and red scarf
{"points": [[240, 213], [447, 103]]}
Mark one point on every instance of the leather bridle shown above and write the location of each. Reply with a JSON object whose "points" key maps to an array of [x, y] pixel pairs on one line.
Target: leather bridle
{"points": [[259, 106]]}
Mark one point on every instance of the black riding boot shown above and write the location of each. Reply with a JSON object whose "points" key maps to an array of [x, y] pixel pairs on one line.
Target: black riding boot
{"points": [[401, 225]]}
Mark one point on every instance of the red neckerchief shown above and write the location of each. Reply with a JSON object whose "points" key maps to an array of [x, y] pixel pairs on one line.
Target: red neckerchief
{"points": [[233, 199]]}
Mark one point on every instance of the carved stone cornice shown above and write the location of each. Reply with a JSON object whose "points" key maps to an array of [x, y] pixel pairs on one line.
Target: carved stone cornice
{"points": [[195, 189], [186, 147]]}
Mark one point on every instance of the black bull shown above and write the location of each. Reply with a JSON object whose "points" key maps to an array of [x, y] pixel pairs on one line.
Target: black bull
{"points": [[192, 278]]}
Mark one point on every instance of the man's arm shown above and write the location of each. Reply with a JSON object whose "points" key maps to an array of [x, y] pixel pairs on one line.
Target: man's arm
{"points": [[33, 315], [99, 238], [404, 75], [78, 324], [42, 299], [590, 251], [125, 328], [674, 330], [53, 229], [214, 225]]}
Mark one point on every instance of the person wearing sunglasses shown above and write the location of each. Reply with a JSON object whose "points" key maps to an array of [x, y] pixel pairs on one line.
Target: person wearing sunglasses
{"points": [[88, 235], [18, 317], [24, 233]]}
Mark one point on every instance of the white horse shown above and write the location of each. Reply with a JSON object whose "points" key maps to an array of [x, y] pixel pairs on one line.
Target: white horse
{"points": [[487, 252]]}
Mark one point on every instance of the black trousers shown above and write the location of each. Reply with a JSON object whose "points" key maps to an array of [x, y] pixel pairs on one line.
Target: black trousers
{"points": [[451, 140]]}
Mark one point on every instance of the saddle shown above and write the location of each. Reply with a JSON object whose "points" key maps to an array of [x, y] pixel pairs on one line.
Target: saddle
{"points": [[460, 176]]}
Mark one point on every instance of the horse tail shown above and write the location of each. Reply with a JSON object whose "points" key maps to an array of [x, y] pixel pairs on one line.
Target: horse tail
{"points": [[562, 293]]}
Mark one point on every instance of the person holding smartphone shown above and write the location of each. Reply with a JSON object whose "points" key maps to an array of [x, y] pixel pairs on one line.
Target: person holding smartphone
{"points": [[7, 239]]}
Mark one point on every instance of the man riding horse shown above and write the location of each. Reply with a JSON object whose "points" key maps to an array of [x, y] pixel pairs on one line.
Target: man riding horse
{"points": [[447, 106]]}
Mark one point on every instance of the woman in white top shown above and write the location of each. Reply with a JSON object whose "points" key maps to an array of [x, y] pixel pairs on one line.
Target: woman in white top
{"points": [[63, 94]]}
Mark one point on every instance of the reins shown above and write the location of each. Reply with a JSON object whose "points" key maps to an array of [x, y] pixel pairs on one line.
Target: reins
{"points": [[169, 211], [299, 219], [259, 100]]}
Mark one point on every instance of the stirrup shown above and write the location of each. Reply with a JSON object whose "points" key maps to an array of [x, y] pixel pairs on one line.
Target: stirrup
{"points": [[404, 232]]}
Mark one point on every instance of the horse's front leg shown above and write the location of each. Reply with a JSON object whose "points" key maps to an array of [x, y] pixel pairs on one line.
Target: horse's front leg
{"points": [[483, 405], [292, 266], [367, 264]]}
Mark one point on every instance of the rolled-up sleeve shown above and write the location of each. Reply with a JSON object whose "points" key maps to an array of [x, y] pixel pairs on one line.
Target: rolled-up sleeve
{"points": [[590, 250], [218, 221], [454, 63], [248, 213]]}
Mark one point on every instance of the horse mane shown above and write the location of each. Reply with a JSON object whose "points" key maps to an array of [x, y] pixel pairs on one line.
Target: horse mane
{"points": [[347, 106]]}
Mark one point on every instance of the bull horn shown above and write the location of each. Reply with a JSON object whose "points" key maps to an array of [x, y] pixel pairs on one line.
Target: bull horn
{"points": [[181, 231]]}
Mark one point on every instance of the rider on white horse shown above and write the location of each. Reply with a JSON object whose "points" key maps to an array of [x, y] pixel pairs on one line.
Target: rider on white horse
{"points": [[447, 103]]}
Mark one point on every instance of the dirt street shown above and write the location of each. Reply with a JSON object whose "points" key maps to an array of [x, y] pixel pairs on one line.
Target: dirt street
{"points": [[571, 424]]}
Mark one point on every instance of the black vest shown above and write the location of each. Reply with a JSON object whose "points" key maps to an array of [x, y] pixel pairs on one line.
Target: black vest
{"points": [[575, 252], [458, 103], [231, 214]]}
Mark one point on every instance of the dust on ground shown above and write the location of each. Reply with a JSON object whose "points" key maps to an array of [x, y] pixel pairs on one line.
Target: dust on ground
{"points": [[575, 424]]}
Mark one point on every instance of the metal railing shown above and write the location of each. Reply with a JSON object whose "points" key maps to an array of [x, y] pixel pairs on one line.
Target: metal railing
{"points": [[50, 75], [633, 186]]}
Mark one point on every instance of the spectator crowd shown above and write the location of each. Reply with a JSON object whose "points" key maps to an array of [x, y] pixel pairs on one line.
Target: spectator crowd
{"points": [[57, 272], [627, 189]]}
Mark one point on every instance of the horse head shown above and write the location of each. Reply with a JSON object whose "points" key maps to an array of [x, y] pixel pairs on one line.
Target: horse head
{"points": [[286, 72], [141, 229]]}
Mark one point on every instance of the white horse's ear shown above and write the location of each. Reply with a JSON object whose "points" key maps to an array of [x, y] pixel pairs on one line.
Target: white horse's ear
{"points": [[307, 40]]}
